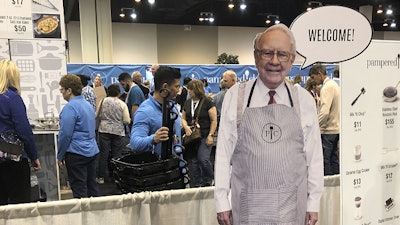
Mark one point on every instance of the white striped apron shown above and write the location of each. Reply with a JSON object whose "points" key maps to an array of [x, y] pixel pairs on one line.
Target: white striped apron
{"points": [[269, 175]]}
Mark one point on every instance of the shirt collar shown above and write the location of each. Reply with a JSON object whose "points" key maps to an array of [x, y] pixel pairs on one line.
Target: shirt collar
{"points": [[280, 90]]}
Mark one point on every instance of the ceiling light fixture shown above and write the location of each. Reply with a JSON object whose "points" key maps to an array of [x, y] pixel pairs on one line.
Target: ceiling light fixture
{"points": [[379, 10], [272, 19], [243, 5], [231, 5], [122, 13], [393, 24], [313, 4], [389, 11], [385, 23], [206, 16], [133, 15], [151, 1], [130, 11], [138, 1]]}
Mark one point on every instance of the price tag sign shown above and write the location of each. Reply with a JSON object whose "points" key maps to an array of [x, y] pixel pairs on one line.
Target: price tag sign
{"points": [[389, 177], [16, 19], [357, 126], [357, 182], [389, 122], [17, 2]]}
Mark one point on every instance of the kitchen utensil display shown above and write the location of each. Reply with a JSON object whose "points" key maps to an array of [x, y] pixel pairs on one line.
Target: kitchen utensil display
{"points": [[358, 212], [50, 62], [390, 93], [29, 78], [41, 82], [57, 104], [357, 153], [30, 88], [32, 112], [26, 65], [21, 48], [45, 3], [53, 86], [41, 48], [389, 204], [355, 100]]}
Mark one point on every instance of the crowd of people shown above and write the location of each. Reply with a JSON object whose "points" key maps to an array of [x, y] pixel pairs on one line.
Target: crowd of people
{"points": [[275, 138]]}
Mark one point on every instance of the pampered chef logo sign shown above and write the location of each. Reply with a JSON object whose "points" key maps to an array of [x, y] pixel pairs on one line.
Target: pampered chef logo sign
{"points": [[384, 63]]}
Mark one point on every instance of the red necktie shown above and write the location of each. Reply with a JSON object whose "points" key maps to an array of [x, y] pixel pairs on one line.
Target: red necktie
{"points": [[271, 97]]}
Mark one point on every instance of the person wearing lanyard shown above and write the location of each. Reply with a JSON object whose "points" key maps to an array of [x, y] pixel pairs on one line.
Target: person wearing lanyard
{"points": [[269, 154], [199, 111]]}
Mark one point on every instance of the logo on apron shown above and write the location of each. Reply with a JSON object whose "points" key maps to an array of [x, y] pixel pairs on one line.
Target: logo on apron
{"points": [[271, 133]]}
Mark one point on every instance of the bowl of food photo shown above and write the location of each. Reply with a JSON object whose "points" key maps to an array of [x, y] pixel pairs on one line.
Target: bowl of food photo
{"points": [[390, 93]]}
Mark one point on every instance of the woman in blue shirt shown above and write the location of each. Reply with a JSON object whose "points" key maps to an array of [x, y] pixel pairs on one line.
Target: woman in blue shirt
{"points": [[77, 145], [15, 175]]}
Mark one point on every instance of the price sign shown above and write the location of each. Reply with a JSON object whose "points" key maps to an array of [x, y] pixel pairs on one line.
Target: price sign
{"points": [[20, 28], [389, 177], [357, 126], [17, 2], [357, 182], [389, 121]]}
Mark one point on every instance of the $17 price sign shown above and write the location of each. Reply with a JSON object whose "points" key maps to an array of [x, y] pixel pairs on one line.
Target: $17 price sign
{"points": [[17, 2]]}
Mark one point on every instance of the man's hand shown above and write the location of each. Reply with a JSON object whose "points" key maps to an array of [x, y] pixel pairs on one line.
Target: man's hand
{"points": [[161, 135], [225, 218], [311, 218]]}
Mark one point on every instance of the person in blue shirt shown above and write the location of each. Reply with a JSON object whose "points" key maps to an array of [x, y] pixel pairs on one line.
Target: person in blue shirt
{"points": [[148, 132], [15, 185], [77, 146], [134, 96]]}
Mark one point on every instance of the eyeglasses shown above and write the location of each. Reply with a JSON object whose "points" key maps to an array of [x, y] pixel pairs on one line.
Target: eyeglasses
{"points": [[61, 89], [283, 56]]}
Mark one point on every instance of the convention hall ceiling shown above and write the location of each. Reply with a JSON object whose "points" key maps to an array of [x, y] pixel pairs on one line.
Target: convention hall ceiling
{"points": [[187, 12]]}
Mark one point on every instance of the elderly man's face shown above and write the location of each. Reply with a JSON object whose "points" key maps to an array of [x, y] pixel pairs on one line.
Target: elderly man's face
{"points": [[273, 71], [228, 82]]}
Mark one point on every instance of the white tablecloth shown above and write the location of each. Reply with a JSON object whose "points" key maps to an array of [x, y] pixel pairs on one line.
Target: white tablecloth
{"points": [[175, 207]]}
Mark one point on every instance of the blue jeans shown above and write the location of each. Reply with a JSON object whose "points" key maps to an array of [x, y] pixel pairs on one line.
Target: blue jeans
{"points": [[331, 158], [199, 164], [82, 175], [108, 143]]}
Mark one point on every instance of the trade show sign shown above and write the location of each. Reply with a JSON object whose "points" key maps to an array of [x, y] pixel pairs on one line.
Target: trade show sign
{"points": [[370, 136], [30, 19]]}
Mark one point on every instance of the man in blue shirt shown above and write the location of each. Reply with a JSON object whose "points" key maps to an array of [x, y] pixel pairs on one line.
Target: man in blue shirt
{"points": [[135, 95], [148, 132], [77, 146]]}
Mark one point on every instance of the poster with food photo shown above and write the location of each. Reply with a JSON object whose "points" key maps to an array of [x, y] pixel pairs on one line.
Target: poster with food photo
{"points": [[46, 25]]}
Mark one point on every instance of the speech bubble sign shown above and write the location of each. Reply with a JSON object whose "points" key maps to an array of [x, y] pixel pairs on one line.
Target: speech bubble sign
{"points": [[331, 34]]}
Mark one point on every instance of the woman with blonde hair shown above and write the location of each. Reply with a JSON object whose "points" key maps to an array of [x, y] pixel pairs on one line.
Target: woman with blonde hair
{"points": [[201, 112], [15, 172]]}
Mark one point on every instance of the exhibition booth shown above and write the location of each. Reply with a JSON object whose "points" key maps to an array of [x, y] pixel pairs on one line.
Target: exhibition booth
{"points": [[366, 192]]}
